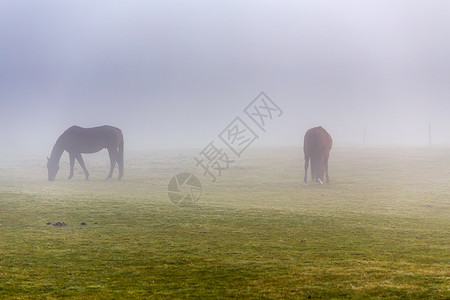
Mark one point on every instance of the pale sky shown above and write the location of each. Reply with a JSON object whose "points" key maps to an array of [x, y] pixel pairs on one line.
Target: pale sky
{"points": [[174, 74]]}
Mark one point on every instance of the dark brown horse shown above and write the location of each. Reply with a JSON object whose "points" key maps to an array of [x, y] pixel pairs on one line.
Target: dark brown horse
{"points": [[77, 140], [317, 146]]}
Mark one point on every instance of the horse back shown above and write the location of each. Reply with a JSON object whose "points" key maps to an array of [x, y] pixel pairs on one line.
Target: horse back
{"points": [[317, 142], [91, 140]]}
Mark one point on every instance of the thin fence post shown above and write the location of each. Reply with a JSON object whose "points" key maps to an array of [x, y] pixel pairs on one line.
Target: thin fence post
{"points": [[364, 138], [429, 133]]}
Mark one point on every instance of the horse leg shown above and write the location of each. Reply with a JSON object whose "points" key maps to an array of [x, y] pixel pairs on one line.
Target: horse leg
{"points": [[81, 162], [112, 158], [120, 160], [326, 170], [306, 168], [72, 164]]}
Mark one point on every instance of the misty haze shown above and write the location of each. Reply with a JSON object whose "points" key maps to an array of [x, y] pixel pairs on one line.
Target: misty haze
{"points": [[249, 219], [172, 74]]}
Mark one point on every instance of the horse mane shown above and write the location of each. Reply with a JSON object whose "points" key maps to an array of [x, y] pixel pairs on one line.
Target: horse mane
{"points": [[57, 150]]}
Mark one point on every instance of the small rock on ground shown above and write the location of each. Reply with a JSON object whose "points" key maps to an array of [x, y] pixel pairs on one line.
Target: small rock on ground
{"points": [[60, 224]]}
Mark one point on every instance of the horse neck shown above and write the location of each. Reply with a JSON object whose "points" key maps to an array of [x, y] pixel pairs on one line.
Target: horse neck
{"points": [[57, 151]]}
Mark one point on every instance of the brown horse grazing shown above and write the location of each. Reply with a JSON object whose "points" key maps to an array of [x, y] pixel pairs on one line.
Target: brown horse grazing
{"points": [[317, 146], [77, 140]]}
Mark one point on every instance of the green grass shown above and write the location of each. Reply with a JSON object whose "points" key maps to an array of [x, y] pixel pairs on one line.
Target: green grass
{"points": [[380, 229]]}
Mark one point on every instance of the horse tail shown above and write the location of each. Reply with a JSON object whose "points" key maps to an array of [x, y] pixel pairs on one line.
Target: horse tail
{"points": [[120, 159]]}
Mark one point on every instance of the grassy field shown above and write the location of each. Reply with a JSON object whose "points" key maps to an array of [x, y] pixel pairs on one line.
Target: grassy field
{"points": [[380, 229]]}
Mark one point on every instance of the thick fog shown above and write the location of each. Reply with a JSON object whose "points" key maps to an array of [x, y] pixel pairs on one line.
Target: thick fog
{"points": [[174, 74]]}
